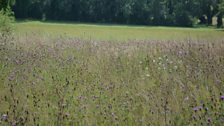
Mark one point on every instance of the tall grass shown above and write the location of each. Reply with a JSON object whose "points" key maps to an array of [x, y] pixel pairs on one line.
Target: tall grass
{"points": [[67, 81]]}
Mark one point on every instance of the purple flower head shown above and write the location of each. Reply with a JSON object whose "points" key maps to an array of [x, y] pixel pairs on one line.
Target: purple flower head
{"points": [[222, 98], [209, 120], [4, 117], [13, 124], [197, 108]]}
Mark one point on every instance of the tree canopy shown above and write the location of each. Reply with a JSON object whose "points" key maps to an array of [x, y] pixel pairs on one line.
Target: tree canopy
{"points": [[6, 3], [147, 12]]}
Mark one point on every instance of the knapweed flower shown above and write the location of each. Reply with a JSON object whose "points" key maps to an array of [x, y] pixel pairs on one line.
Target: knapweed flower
{"points": [[4, 117], [222, 98], [209, 120], [13, 123], [197, 108]]}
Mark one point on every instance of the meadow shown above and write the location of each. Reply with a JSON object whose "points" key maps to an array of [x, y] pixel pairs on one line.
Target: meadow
{"points": [[106, 32], [99, 75]]}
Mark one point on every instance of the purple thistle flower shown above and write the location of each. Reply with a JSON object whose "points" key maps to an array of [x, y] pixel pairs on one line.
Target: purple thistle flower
{"points": [[222, 98], [209, 120], [13, 124], [4, 117], [197, 108]]}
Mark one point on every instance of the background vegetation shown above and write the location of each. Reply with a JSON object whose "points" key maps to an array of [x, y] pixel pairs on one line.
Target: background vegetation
{"points": [[147, 12]]}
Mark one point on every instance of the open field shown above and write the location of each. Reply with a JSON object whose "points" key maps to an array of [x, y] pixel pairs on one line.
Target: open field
{"points": [[117, 32], [59, 81], [111, 62]]}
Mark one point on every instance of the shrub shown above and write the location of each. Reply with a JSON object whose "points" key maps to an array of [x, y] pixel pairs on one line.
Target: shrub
{"points": [[6, 19], [6, 28]]}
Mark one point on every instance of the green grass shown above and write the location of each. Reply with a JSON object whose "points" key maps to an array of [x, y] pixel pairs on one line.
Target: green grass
{"points": [[117, 32]]}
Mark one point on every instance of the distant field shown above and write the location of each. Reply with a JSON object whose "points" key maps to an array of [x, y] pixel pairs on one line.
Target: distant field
{"points": [[117, 32]]}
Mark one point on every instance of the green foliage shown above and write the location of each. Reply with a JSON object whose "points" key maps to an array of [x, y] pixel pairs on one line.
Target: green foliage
{"points": [[6, 18], [182, 16], [220, 14], [221, 6], [147, 12], [4, 4]]}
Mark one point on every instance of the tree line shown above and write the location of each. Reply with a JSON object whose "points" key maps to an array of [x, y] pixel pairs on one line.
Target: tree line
{"points": [[143, 12]]}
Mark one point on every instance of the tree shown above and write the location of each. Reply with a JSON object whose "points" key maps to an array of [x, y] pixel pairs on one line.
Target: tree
{"points": [[157, 12], [220, 13], [6, 3], [208, 9], [147, 12]]}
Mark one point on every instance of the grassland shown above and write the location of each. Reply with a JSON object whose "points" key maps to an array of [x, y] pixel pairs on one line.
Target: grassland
{"points": [[117, 32], [67, 81]]}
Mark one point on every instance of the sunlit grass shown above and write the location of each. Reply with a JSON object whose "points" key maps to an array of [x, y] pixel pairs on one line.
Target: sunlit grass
{"points": [[117, 32]]}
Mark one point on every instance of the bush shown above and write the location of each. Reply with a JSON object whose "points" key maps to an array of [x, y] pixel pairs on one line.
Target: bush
{"points": [[6, 19], [6, 28]]}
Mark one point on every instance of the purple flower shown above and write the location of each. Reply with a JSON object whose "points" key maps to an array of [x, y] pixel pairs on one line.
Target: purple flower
{"points": [[4, 117], [13, 124], [209, 120], [222, 98], [197, 108]]}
